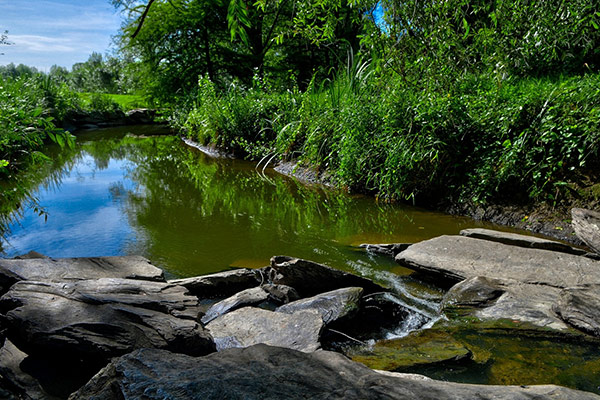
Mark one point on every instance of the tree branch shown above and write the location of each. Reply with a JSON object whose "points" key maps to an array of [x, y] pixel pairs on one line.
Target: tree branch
{"points": [[142, 18]]}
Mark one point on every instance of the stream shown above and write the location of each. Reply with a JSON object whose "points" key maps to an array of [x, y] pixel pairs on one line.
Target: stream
{"points": [[133, 190]]}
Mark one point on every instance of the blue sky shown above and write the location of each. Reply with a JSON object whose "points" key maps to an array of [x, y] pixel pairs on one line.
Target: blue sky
{"points": [[61, 32]]}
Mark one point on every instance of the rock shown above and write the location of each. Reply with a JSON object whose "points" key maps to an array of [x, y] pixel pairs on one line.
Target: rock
{"points": [[63, 269], [99, 319], [586, 224], [221, 284], [580, 307], [249, 325], [281, 293], [514, 239], [246, 297], [473, 292], [310, 278], [391, 249], [264, 372], [89, 127], [450, 259], [424, 348], [332, 306], [18, 383]]}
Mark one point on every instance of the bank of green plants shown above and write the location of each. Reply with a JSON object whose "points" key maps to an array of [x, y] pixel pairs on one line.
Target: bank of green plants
{"points": [[517, 139]]}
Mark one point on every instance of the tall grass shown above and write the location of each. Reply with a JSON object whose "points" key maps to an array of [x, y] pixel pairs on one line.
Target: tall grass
{"points": [[481, 139]]}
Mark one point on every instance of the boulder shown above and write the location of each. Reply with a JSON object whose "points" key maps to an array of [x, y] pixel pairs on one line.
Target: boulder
{"points": [[450, 259], [221, 284], [249, 325], [586, 224], [264, 372], [281, 293], [99, 319], [332, 306], [141, 116], [63, 269], [580, 308], [515, 239], [386, 249], [310, 278], [244, 298]]}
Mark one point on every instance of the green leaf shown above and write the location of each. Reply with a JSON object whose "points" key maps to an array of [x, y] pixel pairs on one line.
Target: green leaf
{"points": [[4, 163], [466, 27], [37, 112]]}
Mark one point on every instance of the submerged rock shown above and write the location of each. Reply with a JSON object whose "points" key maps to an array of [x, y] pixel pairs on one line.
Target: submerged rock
{"points": [[310, 278], [246, 297], [264, 372], [332, 306], [99, 319], [514, 239], [586, 224], [580, 307], [220, 284], [249, 325]]}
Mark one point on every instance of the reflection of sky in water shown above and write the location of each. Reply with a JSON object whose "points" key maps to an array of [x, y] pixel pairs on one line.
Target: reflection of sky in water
{"points": [[84, 215]]}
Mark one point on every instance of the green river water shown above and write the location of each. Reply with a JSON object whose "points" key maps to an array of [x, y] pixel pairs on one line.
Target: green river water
{"points": [[133, 191]]}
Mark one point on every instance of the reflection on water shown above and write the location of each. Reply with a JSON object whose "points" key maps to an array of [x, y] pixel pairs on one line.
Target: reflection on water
{"points": [[152, 195]]}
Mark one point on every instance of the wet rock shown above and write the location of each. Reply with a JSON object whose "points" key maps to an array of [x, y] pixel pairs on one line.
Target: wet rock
{"points": [[220, 284], [427, 348], [332, 306], [586, 224], [450, 259], [478, 291], [310, 278], [264, 372], [388, 249], [99, 319], [63, 269], [244, 298], [249, 325], [580, 307], [514, 239], [282, 294]]}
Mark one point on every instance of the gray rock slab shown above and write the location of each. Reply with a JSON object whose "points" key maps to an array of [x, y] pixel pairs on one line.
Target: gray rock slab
{"points": [[586, 224], [580, 307], [515, 239], [478, 291], [332, 305], [249, 325], [221, 284], [63, 269], [246, 297], [99, 319], [281, 293], [452, 259], [264, 372], [310, 278]]}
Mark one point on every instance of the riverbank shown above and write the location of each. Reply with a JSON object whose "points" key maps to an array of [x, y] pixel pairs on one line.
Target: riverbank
{"points": [[118, 326]]}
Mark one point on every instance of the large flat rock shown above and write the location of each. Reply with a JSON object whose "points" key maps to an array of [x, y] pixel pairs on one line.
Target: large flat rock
{"points": [[99, 319], [451, 259], [332, 305], [264, 372], [64, 269], [249, 326]]}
